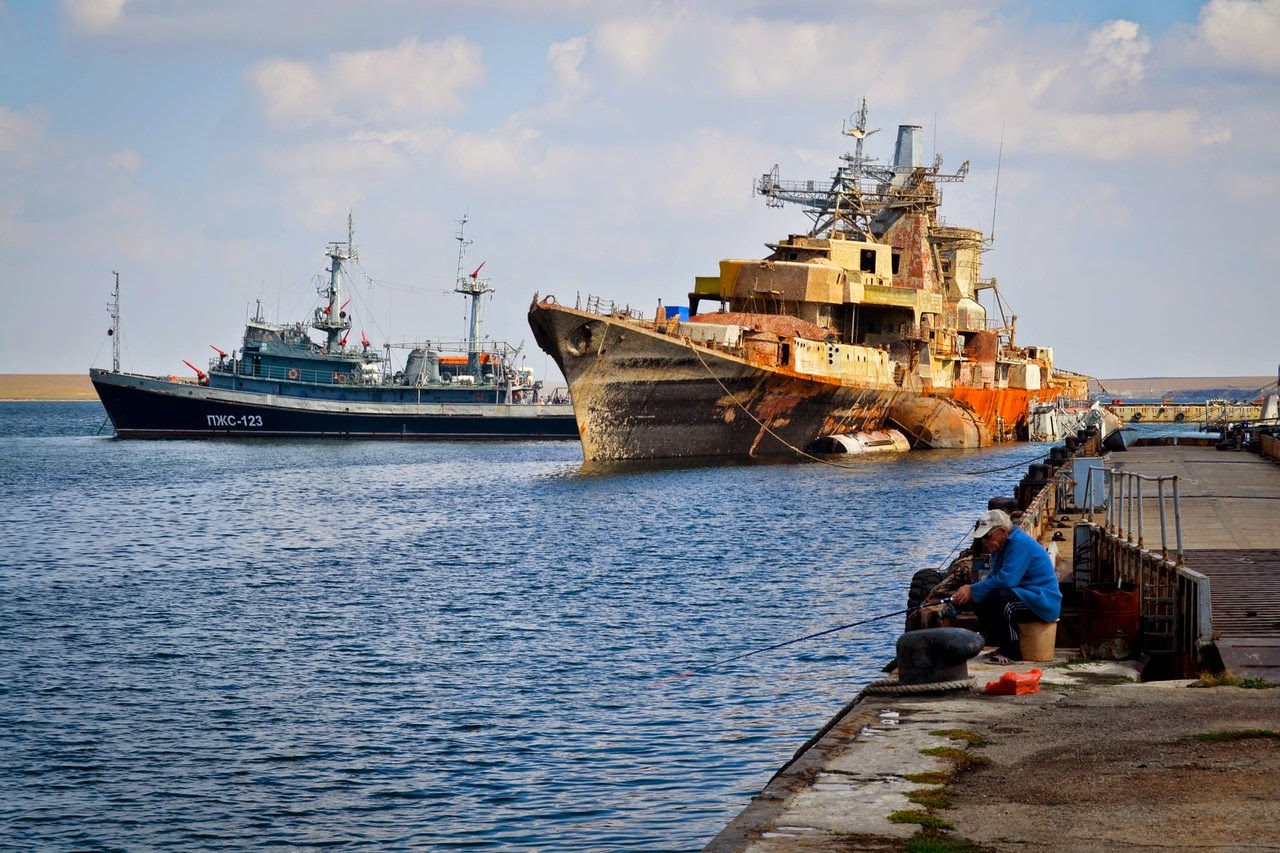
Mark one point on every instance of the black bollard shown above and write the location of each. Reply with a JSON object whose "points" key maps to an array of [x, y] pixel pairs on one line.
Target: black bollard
{"points": [[934, 655]]}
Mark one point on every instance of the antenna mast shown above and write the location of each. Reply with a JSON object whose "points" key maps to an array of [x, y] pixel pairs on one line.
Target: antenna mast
{"points": [[331, 319], [114, 331], [991, 238], [473, 287]]}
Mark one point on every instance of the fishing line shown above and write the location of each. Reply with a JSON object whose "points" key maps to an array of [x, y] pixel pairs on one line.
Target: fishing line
{"points": [[1039, 458], [714, 664]]}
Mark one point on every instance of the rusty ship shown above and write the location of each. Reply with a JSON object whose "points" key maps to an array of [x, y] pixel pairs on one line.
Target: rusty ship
{"points": [[866, 333]]}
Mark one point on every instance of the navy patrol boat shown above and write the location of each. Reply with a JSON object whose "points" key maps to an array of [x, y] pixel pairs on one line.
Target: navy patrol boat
{"points": [[284, 383]]}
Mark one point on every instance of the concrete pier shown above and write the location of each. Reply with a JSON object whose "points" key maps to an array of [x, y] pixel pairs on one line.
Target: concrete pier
{"points": [[1187, 413], [1230, 513], [1095, 759]]}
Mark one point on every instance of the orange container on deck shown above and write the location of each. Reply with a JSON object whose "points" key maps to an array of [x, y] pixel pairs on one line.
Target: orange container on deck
{"points": [[1015, 683]]}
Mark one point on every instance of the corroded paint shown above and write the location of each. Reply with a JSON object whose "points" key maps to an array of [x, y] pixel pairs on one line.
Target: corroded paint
{"points": [[1002, 409], [846, 329]]}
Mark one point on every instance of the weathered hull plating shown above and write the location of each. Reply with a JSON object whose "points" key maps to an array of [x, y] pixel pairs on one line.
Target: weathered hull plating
{"points": [[153, 407], [641, 394]]}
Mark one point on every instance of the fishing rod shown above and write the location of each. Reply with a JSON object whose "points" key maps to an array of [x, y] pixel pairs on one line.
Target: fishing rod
{"points": [[715, 664], [920, 606]]}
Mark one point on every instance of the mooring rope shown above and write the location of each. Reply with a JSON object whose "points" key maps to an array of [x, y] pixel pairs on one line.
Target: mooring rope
{"points": [[749, 414]]}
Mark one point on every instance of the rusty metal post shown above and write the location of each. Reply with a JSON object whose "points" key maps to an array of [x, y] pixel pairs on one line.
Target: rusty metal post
{"points": [[1177, 519], [1126, 486], [1139, 498], [1164, 536]]}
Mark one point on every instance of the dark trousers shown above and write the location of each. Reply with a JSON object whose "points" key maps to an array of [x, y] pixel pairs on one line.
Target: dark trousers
{"points": [[998, 617]]}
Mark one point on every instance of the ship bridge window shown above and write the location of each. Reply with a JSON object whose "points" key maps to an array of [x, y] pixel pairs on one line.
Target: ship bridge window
{"points": [[897, 259], [867, 262], [793, 256]]}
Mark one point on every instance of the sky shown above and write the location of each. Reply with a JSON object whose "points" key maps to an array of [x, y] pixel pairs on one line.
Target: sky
{"points": [[1123, 153]]}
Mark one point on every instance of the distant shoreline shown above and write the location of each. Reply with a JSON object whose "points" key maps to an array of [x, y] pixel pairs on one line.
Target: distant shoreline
{"points": [[46, 387]]}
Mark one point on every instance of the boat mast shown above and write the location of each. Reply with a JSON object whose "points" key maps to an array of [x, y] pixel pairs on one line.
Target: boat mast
{"points": [[862, 190], [332, 320], [473, 287], [114, 331]]}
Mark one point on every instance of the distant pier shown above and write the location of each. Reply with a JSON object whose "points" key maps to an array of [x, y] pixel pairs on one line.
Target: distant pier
{"points": [[1194, 413]]}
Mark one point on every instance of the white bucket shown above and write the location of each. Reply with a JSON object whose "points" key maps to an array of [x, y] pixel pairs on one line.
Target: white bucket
{"points": [[1037, 640]]}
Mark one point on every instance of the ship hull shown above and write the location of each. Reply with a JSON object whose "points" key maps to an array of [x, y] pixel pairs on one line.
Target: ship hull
{"points": [[640, 394], [156, 407]]}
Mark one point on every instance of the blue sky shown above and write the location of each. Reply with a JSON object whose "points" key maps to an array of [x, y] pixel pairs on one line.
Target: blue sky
{"points": [[209, 151]]}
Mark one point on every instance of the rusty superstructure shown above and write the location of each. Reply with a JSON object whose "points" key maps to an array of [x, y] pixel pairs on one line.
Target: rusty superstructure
{"points": [[869, 322]]}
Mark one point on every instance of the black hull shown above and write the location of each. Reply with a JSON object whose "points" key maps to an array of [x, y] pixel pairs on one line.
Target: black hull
{"points": [[149, 407]]}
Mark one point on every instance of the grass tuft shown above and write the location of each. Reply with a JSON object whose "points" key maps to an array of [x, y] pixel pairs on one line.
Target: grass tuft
{"points": [[959, 734], [923, 819], [961, 758], [1230, 679], [925, 842], [931, 798], [931, 777]]}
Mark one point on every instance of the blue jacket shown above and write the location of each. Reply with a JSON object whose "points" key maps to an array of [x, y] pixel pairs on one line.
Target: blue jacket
{"points": [[1023, 566]]}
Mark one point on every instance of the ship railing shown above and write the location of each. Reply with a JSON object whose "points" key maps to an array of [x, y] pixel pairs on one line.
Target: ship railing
{"points": [[607, 308]]}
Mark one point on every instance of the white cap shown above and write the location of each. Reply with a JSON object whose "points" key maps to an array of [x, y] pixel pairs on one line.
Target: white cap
{"points": [[989, 521]]}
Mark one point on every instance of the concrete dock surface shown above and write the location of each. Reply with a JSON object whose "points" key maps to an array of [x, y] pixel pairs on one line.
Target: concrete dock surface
{"points": [[1095, 760], [1230, 511]]}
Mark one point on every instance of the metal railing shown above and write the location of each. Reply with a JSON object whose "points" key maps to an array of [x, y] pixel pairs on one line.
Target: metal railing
{"points": [[1125, 500], [1174, 601]]}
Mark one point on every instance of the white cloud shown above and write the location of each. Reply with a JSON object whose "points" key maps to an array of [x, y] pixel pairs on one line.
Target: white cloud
{"points": [[768, 57], [634, 45], [564, 63], [503, 155], [1250, 187], [323, 179], [126, 160], [93, 16], [1116, 53], [403, 86], [20, 137], [1242, 34], [423, 141], [1120, 137]]}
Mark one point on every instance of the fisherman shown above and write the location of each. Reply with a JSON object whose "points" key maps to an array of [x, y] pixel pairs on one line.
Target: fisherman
{"points": [[1021, 585]]}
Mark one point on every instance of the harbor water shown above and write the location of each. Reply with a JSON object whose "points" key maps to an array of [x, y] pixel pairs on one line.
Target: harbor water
{"points": [[216, 644]]}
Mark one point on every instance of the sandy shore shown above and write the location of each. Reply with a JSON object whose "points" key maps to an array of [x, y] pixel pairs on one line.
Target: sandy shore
{"points": [[46, 386]]}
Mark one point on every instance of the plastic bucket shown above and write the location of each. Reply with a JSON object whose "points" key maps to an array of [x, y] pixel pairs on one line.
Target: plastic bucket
{"points": [[1037, 640]]}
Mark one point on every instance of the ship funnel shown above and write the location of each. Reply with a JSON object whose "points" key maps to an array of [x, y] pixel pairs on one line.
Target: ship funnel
{"points": [[908, 154]]}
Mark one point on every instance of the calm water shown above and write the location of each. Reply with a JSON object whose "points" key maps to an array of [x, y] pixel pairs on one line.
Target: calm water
{"points": [[368, 645]]}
